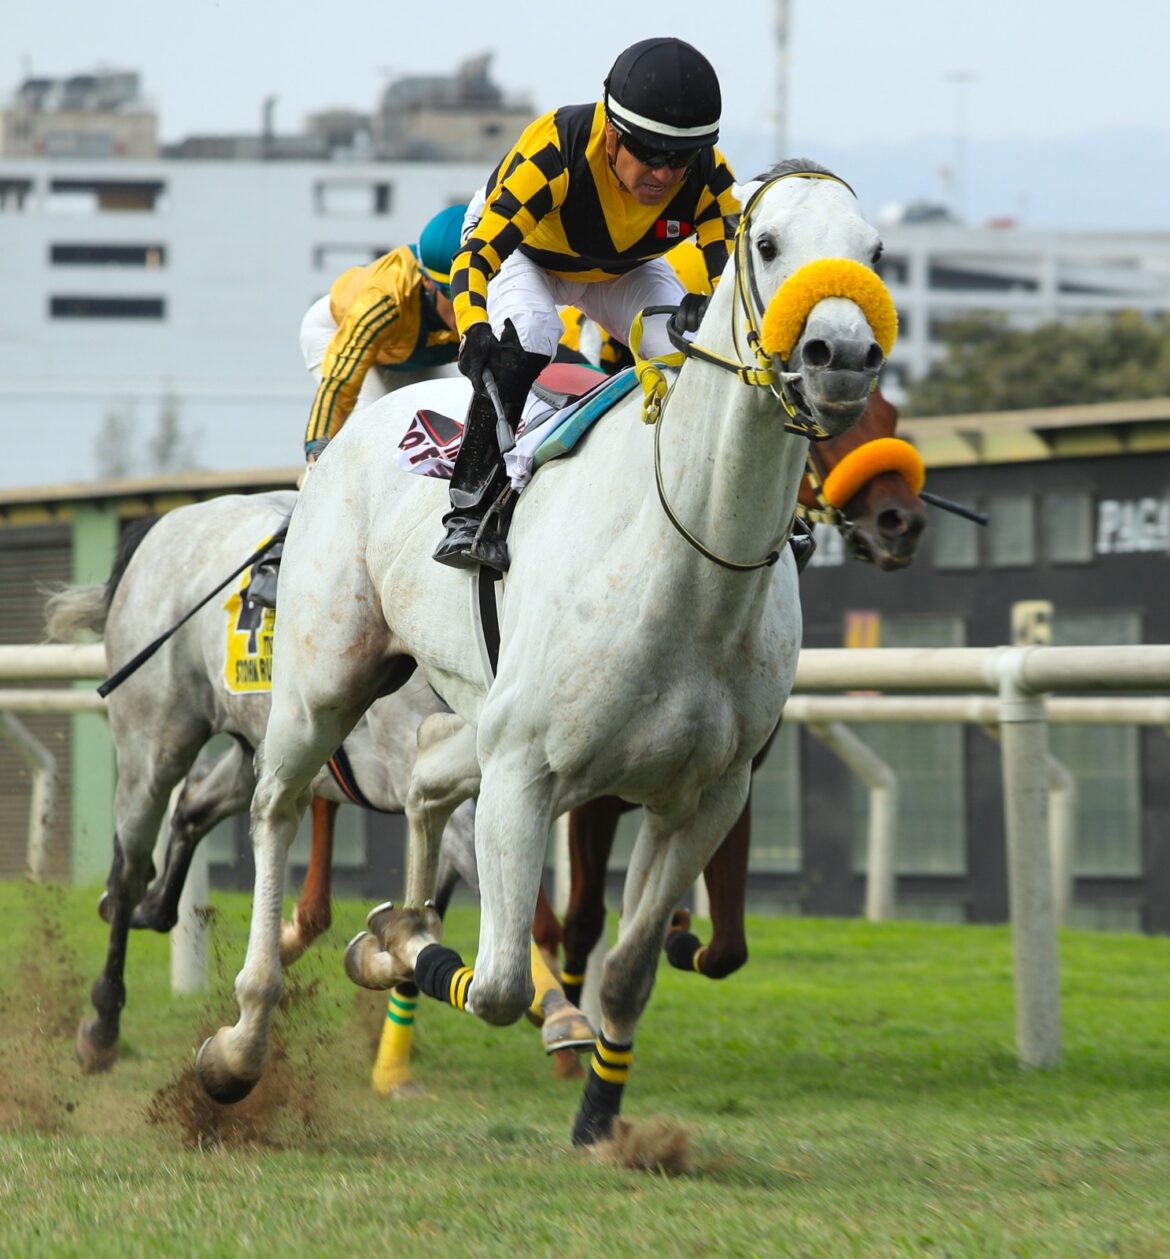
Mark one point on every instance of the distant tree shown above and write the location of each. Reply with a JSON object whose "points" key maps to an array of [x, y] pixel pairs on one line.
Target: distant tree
{"points": [[114, 443], [170, 449], [989, 366]]}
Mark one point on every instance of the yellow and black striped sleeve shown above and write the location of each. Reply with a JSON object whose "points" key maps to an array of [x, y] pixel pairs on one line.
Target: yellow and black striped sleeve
{"points": [[377, 312], [528, 184], [715, 218]]}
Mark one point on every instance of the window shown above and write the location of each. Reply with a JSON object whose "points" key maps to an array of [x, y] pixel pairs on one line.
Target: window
{"points": [[1105, 760], [14, 194], [776, 806], [1012, 531], [351, 198], [82, 307], [928, 759], [954, 542], [338, 258], [106, 196], [1066, 527], [107, 255]]}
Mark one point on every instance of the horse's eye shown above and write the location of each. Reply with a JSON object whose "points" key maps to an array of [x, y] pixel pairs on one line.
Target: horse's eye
{"points": [[877, 253], [766, 248]]}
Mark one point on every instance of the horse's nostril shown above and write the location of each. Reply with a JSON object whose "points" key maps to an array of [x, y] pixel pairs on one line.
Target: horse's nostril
{"points": [[874, 357], [892, 522], [817, 353]]}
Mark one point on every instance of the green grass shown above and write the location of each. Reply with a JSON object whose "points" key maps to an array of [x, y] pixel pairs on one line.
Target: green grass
{"points": [[854, 1091]]}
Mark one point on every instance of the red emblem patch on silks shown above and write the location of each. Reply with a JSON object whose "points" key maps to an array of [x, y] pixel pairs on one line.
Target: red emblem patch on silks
{"points": [[672, 229]]}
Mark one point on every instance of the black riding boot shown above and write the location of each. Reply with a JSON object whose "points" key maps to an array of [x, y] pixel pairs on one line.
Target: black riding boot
{"points": [[476, 526], [476, 482]]}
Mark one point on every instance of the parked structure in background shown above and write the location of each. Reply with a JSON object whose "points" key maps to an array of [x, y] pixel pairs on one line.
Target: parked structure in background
{"points": [[97, 115]]}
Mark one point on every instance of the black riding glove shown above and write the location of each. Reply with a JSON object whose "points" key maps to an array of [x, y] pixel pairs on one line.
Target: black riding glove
{"points": [[477, 348], [481, 350], [690, 312]]}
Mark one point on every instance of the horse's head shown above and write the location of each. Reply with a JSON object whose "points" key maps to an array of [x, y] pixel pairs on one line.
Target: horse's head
{"points": [[866, 483], [804, 261]]}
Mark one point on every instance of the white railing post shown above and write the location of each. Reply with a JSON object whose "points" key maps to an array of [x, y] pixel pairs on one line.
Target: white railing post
{"points": [[42, 795], [1024, 740], [879, 777]]}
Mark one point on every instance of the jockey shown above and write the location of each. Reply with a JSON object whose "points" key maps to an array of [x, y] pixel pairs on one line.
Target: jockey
{"points": [[579, 213], [394, 315]]}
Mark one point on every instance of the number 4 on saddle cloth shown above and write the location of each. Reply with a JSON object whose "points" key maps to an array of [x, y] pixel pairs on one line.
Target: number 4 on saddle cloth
{"points": [[566, 399]]}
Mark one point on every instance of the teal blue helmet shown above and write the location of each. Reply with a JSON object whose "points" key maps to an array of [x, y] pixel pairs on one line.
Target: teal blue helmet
{"points": [[439, 243]]}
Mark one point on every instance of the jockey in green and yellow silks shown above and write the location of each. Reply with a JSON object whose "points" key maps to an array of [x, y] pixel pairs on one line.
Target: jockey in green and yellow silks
{"points": [[381, 325]]}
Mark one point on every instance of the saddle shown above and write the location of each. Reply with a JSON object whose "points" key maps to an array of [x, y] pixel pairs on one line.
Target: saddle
{"points": [[261, 590]]}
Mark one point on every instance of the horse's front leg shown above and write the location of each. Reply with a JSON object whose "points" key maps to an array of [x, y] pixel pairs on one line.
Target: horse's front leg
{"points": [[303, 732], [511, 831], [592, 829], [668, 856], [314, 911]]}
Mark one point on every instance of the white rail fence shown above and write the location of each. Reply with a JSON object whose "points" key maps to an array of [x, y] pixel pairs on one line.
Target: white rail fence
{"points": [[1013, 683]]}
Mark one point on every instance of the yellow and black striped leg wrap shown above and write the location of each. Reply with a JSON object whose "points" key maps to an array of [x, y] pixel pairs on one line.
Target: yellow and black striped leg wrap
{"points": [[684, 950], [608, 1072], [572, 981], [440, 973]]}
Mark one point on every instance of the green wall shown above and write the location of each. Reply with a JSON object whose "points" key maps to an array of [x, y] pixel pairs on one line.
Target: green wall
{"points": [[95, 543]]}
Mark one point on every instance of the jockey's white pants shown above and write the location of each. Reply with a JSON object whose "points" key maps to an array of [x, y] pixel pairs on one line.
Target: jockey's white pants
{"points": [[529, 296]]}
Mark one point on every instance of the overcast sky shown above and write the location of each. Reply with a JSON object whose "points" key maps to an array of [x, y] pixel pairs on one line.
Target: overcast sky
{"points": [[859, 71]]}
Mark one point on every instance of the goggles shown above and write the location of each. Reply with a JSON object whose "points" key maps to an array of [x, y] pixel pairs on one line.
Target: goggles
{"points": [[655, 158]]}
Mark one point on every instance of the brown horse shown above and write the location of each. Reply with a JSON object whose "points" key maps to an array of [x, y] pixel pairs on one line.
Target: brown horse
{"points": [[866, 485]]}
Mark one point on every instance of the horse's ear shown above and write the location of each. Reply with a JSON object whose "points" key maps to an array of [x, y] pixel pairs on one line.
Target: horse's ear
{"points": [[743, 192]]}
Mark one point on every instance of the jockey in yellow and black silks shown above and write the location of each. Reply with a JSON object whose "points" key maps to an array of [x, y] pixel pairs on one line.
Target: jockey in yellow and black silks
{"points": [[381, 326], [579, 213]]}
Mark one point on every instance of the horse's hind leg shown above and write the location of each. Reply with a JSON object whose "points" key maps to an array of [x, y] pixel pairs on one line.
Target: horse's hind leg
{"points": [[214, 790], [143, 792]]}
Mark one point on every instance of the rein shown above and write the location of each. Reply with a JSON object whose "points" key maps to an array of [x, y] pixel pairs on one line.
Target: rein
{"points": [[762, 375], [133, 665]]}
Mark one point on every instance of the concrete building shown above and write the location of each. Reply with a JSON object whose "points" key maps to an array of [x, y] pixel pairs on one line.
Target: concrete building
{"points": [[142, 287], [98, 115]]}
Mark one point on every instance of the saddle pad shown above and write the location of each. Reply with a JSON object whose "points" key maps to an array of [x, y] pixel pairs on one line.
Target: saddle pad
{"points": [[576, 419], [432, 440]]}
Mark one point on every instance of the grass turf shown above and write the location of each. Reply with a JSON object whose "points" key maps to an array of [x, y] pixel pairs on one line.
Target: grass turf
{"points": [[854, 1091]]}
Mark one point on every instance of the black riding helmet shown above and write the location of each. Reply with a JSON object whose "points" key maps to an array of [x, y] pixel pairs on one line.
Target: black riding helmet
{"points": [[664, 94]]}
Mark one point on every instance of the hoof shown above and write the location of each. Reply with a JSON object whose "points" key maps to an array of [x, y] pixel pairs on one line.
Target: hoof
{"points": [[565, 1027], [219, 1082], [395, 928], [104, 907], [406, 1091], [93, 1057], [369, 966], [292, 944], [148, 917]]}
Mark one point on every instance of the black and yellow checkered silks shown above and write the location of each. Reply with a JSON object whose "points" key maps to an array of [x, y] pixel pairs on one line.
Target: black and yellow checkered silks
{"points": [[556, 199]]}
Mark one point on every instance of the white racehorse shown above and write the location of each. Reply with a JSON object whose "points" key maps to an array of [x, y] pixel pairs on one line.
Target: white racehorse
{"points": [[647, 645]]}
